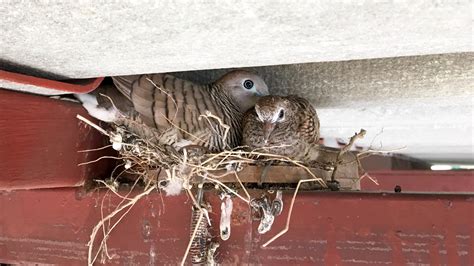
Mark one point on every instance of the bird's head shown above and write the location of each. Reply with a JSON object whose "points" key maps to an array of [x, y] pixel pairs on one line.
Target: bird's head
{"points": [[244, 87], [271, 110]]}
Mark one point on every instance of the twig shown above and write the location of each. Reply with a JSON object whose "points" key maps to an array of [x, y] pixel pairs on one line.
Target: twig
{"points": [[96, 228], [345, 149], [100, 158], [221, 123], [113, 190], [228, 188], [201, 214], [193, 199], [375, 137], [111, 102], [370, 151], [96, 149], [288, 219], [370, 178], [92, 124], [103, 243], [242, 185]]}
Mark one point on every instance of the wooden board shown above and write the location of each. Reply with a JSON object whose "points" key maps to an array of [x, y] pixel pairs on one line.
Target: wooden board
{"points": [[278, 174], [347, 174]]}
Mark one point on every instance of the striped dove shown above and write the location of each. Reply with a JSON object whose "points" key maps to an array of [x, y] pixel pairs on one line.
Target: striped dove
{"points": [[287, 126], [164, 102]]}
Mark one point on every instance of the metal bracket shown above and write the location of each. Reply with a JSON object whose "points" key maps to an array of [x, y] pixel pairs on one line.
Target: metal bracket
{"points": [[265, 211]]}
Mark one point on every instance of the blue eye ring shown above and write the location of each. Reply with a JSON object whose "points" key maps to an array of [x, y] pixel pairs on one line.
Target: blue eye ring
{"points": [[248, 84]]}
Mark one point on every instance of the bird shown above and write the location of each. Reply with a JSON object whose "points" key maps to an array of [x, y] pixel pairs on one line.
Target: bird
{"points": [[169, 104], [283, 125]]}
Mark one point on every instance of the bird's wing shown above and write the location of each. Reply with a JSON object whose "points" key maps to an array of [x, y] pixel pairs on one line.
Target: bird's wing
{"points": [[164, 101], [308, 127], [124, 84], [250, 129]]}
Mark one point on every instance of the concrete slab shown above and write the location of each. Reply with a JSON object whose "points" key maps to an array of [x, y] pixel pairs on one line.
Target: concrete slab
{"points": [[82, 39]]}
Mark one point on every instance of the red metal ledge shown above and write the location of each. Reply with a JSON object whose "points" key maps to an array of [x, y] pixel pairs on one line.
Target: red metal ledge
{"points": [[40, 140], [57, 87], [417, 181], [54, 225]]}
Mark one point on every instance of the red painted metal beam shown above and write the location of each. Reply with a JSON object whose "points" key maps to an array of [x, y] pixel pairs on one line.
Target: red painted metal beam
{"points": [[53, 226], [40, 140], [420, 181], [52, 86]]}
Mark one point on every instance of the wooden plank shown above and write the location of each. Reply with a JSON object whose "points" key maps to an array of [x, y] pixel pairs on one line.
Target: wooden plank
{"points": [[347, 174], [327, 228], [279, 174]]}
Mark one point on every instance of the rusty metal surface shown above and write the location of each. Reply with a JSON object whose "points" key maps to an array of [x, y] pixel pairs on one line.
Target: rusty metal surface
{"points": [[53, 226], [40, 140]]}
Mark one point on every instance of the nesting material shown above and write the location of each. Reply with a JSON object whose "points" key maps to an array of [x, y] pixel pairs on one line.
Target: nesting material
{"points": [[148, 158]]}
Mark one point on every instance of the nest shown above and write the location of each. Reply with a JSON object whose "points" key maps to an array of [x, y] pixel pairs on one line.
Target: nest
{"points": [[161, 166]]}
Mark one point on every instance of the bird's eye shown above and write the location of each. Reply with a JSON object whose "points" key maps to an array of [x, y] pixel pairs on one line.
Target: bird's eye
{"points": [[248, 84], [281, 114]]}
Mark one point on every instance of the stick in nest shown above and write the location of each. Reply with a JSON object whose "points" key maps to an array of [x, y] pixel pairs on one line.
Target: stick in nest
{"points": [[95, 230], [345, 149], [201, 215], [92, 124], [370, 178], [227, 188], [222, 124]]}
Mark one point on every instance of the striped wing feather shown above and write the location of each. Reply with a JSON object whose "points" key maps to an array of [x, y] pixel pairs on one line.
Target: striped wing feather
{"points": [[162, 100], [308, 127]]}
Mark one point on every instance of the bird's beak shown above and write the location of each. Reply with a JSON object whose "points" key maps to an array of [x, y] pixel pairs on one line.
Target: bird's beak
{"points": [[261, 94], [267, 129]]}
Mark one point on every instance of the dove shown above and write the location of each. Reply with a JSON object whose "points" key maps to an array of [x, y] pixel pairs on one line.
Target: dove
{"points": [[283, 125], [164, 102]]}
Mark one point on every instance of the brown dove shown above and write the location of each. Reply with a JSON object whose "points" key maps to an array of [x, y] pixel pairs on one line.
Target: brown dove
{"points": [[287, 126], [163, 102]]}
